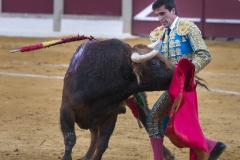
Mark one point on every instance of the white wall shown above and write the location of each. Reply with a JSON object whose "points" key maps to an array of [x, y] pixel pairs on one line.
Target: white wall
{"points": [[58, 7], [127, 15], [57, 14], [0, 7]]}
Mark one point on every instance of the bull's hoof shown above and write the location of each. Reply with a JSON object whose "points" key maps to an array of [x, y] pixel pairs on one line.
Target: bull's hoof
{"points": [[67, 157], [84, 158], [173, 158]]}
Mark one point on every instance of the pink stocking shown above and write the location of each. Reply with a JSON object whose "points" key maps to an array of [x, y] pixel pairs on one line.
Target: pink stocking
{"points": [[157, 147]]}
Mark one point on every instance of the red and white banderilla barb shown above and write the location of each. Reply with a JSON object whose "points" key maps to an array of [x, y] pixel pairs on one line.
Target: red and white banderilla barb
{"points": [[51, 43]]}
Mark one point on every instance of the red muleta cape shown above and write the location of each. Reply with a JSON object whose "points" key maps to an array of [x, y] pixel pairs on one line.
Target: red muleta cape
{"points": [[183, 128]]}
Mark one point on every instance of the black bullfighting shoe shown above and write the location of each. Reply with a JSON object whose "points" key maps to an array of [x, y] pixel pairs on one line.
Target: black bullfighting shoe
{"points": [[217, 151]]}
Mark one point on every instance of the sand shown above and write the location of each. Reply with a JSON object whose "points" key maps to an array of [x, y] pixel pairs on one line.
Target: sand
{"points": [[30, 96]]}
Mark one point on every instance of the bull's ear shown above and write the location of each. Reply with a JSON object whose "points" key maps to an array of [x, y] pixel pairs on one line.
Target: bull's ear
{"points": [[137, 67], [138, 70]]}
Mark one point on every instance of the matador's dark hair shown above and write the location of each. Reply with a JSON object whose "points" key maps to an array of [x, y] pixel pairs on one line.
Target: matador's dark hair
{"points": [[169, 5]]}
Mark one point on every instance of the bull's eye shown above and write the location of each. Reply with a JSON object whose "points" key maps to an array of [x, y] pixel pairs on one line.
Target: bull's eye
{"points": [[154, 63]]}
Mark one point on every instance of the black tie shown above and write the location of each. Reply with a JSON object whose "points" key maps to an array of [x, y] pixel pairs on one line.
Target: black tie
{"points": [[168, 31]]}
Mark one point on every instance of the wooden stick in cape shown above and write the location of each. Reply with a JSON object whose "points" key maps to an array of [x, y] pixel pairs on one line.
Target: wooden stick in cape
{"points": [[50, 43]]}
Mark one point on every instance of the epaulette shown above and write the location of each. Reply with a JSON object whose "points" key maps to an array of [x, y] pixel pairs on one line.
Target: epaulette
{"points": [[156, 33], [183, 26]]}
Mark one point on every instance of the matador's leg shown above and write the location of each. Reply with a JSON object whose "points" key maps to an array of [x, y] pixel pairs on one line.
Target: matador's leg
{"points": [[155, 130], [158, 113]]}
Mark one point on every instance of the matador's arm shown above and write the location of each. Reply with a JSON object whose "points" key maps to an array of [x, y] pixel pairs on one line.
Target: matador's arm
{"points": [[201, 53]]}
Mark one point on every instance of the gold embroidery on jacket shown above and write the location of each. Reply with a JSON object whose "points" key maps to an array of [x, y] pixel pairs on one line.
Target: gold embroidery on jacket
{"points": [[171, 44], [184, 26], [178, 51], [171, 51], [156, 33], [177, 43], [201, 56], [164, 48], [172, 36]]}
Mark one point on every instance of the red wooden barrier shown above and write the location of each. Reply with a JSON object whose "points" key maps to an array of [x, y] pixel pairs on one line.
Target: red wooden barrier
{"points": [[93, 7], [27, 6], [222, 18], [79, 7]]}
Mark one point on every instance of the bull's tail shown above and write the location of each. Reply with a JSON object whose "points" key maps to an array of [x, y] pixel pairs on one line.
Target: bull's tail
{"points": [[199, 81]]}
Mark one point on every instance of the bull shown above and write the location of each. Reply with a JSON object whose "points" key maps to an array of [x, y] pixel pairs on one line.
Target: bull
{"points": [[101, 75]]}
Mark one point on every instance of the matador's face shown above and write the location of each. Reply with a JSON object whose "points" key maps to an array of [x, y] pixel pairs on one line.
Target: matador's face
{"points": [[165, 16]]}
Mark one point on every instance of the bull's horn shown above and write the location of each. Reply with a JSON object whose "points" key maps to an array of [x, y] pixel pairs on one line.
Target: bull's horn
{"points": [[136, 57], [154, 44]]}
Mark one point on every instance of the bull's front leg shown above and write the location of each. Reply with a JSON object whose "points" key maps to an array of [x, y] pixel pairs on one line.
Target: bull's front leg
{"points": [[167, 154], [92, 147], [94, 135], [105, 130], [67, 127]]}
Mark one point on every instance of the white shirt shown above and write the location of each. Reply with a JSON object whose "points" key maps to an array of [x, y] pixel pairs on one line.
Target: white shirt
{"points": [[173, 24]]}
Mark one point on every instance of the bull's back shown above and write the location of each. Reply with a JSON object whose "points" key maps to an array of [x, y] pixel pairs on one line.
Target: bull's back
{"points": [[99, 68]]}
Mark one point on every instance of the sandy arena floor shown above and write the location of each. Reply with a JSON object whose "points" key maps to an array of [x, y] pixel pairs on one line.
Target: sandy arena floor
{"points": [[30, 96]]}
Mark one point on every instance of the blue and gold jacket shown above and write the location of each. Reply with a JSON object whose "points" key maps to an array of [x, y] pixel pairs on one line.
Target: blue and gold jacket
{"points": [[184, 41]]}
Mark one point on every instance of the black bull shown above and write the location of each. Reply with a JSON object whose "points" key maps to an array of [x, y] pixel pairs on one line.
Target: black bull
{"points": [[101, 75]]}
